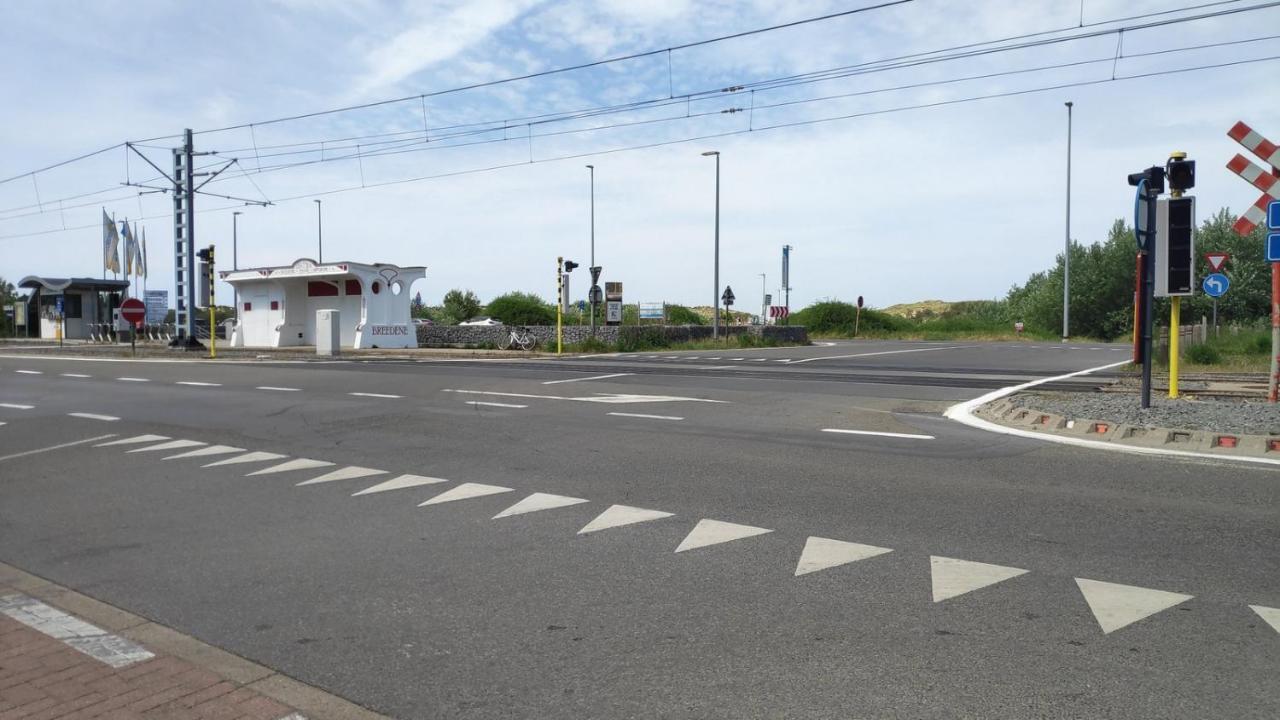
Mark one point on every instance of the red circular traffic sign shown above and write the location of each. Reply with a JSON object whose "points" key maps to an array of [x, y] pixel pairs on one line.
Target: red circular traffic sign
{"points": [[133, 310]]}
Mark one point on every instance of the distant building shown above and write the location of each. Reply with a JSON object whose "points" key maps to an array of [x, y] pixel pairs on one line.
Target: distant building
{"points": [[277, 306], [84, 302]]}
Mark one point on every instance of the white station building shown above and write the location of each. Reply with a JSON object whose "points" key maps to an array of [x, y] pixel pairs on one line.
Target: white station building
{"points": [[277, 305]]}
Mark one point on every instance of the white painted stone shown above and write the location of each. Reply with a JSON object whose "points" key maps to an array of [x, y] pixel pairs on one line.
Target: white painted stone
{"points": [[171, 445], [619, 515], [347, 473], [1115, 606], [258, 456], [291, 465], [134, 440], [400, 483], [822, 553], [714, 532], [207, 451], [464, 492], [1270, 615], [539, 501], [952, 577]]}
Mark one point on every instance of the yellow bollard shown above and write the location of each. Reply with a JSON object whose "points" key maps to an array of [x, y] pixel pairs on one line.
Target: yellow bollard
{"points": [[1175, 319]]}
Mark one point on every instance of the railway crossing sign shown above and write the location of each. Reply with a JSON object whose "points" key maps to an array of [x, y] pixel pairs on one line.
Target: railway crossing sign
{"points": [[1216, 260], [1267, 182], [1216, 284]]}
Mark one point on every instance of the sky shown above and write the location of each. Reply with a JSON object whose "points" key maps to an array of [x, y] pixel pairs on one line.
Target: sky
{"points": [[884, 177]]}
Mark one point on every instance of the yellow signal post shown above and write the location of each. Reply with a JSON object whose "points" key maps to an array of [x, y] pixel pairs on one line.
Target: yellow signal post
{"points": [[1175, 306], [213, 330], [559, 308]]}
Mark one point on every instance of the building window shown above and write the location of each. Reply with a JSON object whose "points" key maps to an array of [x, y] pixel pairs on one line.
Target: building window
{"points": [[317, 288], [248, 307], [376, 287], [275, 304], [353, 287]]}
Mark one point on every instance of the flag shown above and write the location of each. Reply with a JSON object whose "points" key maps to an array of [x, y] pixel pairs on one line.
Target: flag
{"points": [[110, 260], [128, 249], [143, 271]]}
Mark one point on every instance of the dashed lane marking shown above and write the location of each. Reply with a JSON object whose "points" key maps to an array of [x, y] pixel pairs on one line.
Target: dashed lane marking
{"points": [[466, 491], [400, 483], [953, 577], [1270, 615], [619, 515], [94, 416], [171, 445], [291, 465], [88, 639], [908, 436], [75, 375], [584, 379], [540, 501], [135, 440], [196, 383], [646, 417], [207, 451], [482, 403], [278, 389], [347, 473], [247, 458], [714, 532], [1115, 606], [29, 372], [132, 379], [56, 447], [822, 553], [376, 395], [16, 406]]}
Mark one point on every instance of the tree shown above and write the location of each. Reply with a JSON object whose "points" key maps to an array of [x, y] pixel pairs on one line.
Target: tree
{"points": [[8, 296], [417, 308], [460, 305], [518, 308]]}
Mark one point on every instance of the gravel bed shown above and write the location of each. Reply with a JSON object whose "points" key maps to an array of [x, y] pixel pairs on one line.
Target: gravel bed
{"points": [[1246, 417]]}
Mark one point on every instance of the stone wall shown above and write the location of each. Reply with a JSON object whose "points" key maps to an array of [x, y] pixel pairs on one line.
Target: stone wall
{"points": [[496, 335]]}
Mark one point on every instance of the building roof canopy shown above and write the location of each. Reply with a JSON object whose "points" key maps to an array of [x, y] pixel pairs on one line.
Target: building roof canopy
{"points": [[33, 282]]}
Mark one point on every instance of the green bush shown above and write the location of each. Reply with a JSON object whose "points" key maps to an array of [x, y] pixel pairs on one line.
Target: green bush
{"points": [[681, 315], [1261, 345], [458, 305], [835, 317], [642, 338], [1204, 354], [517, 308]]}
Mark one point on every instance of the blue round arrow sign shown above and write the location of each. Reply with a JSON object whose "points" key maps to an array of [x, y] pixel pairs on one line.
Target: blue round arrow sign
{"points": [[1216, 284]]}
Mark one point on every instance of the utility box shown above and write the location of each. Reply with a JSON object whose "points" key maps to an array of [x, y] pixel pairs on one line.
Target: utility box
{"points": [[328, 332]]}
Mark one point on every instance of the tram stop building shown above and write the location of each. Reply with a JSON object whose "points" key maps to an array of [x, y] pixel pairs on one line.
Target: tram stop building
{"points": [[84, 303], [276, 306]]}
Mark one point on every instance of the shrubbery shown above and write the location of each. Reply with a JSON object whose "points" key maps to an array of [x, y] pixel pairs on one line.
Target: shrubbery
{"points": [[681, 315], [518, 308]]}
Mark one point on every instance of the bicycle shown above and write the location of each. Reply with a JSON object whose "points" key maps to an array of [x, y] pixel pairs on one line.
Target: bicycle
{"points": [[522, 338]]}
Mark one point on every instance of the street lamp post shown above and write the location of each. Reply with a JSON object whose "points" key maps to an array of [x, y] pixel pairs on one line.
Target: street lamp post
{"points": [[1066, 256], [764, 306], [715, 331], [319, 234], [592, 168], [235, 262]]}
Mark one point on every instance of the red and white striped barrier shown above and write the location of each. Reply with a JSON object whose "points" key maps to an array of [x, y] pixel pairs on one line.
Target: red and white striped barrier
{"points": [[779, 311], [1267, 182]]}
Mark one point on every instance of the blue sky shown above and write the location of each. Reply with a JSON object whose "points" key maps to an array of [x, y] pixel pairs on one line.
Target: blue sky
{"points": [[958, 201]]}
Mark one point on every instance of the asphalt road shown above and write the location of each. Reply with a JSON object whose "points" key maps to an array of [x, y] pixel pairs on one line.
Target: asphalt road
{"points": [[1014, 574]]}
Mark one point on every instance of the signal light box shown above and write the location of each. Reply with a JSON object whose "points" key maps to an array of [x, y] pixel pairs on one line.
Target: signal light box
{"points": [[1175, 246]]}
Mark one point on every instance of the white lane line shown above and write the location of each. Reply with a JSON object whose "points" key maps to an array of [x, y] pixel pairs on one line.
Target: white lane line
{"points": [[194, 383], [132, 379], [277, 389], [16, 406], [908, 436], [584, 379], [495, 404], [94, 416], [963, 414], [787, 360], [375, 395], [75, 375], [28, 372], [647, 417], [89, 639], [607, 398], [134, 440], [883, 352], [759, 359], [57, 447], [737, 359]]}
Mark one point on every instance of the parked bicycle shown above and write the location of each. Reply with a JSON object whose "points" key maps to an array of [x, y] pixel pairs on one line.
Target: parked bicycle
{"points": [[521, 337]]}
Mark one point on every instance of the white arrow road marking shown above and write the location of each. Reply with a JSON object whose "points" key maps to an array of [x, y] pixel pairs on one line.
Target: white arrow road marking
{"points": [[714, 532], [822, 553], [908, 436], [171, 445], [246, 458], [584, 379], [539, 501], [16, 406], [952, 577], [203, 452], [464, 492], [619, 515], [347, 473], [195, 383], [1270, 615], [298, 464], [400, 483], [1115, 606], [94, 416], [134, 440]]}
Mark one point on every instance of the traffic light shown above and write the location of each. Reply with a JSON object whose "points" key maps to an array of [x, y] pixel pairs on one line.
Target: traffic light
{"points": [[1175, 246], [1154, 177], [205, 254], [569, 265], [1181, 172]]}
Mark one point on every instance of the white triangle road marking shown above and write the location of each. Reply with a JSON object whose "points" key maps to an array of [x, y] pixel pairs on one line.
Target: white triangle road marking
{"points": [[464, 492], [134, 440], [1115, 606], [822, 553], [206, 451], [171, 445], [297, 464], [539, 501], [400, 483], [714, 532], [246, 458], [347, 473], [952, 577], [619, 515], [1270, 615]]}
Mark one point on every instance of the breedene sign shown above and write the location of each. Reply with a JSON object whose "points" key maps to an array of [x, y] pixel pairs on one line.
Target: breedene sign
{"points": [[377, 330]]}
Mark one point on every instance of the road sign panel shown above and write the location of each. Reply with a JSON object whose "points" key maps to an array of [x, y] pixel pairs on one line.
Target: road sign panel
{"points": [[779, 311], [1216, 284], [1216, 260], [1273, 247], [133, 310], [1273, 215], [859, 301], [727, 298]]}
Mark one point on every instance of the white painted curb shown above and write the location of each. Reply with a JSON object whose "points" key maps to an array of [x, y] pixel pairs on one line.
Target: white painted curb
{"points": [[963, 413]]}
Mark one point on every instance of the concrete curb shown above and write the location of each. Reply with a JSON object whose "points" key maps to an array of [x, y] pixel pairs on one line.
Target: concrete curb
{"points": [[314, 702]]}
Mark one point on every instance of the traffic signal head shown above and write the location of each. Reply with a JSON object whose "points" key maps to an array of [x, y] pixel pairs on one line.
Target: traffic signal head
{"points": [[569, 265], [1181, 171], [1154, 177], [205, 254]]}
